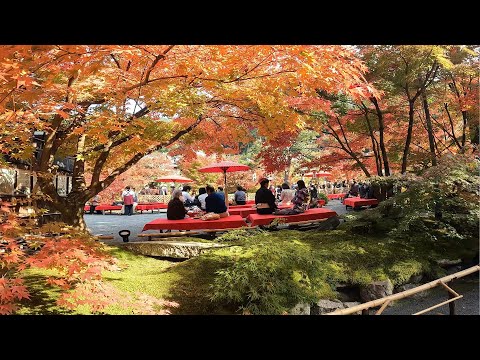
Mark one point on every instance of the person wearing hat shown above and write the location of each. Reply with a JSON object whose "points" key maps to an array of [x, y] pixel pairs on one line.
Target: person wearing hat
{"points": [[264, 199]]}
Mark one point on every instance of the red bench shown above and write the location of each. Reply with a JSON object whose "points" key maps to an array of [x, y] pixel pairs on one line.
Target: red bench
{"points": [[336, 196], [309, 215], [152, 206], [357, 202], [244, 212], [246, 206], [229, 222], [104, 208]]}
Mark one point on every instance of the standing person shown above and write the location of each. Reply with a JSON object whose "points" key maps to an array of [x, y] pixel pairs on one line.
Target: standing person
{"points": [[215, 203], [176, 210], [300, 201], [128, 200], [135, 200], [93, 203], [313, 191], [240, 196], [264, 198]]}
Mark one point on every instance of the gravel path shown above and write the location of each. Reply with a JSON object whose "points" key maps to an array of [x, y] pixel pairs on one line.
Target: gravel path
{"points": [[111, 224], [468, 305]]}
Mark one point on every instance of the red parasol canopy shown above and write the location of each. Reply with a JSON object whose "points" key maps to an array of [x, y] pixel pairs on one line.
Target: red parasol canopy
{"points": [[224, 167], [174, 178]]}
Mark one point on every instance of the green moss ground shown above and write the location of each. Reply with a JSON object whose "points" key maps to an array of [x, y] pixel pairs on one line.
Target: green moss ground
{"points": [[344, 257]]}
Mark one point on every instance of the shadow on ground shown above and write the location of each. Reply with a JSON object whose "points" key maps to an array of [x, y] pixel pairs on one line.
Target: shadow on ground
{"points": [[42, 298]]}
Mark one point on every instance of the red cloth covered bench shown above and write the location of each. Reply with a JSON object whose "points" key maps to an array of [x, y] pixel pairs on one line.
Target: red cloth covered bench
{"points": [[104, 207], [152, 206], [246, 206], [310, 214], [229, 222], [357, 202], [244, 212], [336, 196]]}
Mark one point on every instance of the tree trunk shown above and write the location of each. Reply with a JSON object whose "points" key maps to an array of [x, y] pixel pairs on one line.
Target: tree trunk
{"points": [[474, 135], [381, 129], [428, 121], [406, 150], [464, 117], [70, 208], [378, 161], [286, 173], [362, 166], [73, 215]]}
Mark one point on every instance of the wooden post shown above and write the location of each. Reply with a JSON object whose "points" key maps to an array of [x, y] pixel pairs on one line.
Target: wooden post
{"points": [[225, 186], [452, 304]]}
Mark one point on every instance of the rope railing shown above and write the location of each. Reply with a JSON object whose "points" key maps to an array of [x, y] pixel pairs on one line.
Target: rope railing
{"points": [[383, 302]]}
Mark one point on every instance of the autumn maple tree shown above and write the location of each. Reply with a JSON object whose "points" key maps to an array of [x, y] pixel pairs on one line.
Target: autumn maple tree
{"points": [[109, 106], [425, 105]]}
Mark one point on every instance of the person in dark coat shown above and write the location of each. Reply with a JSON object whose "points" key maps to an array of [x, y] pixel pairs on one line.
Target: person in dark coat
{"points": [[353, 192], [176, 210], [264, 198], [215, 202]]}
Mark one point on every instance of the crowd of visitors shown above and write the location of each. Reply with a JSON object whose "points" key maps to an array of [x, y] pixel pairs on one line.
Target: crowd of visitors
{"points": [[267, 198]]}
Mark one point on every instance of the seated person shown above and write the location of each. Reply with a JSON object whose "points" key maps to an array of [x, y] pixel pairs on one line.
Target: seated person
{"points": [[215, 202], [286, 195], [362, 190], [370, 193], [353, 192], [300, 201], [202, 194], [175, 209], [94, 202], [188, 199], [264, 198], [240, 196], [220, 191]]}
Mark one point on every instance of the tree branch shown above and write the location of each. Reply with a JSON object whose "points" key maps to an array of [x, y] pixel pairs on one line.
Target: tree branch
{"points": [[100, 185]]}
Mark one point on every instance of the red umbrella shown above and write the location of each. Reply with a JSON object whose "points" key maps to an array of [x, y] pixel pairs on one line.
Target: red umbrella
{"points": [[174, 178], [224, 166]]}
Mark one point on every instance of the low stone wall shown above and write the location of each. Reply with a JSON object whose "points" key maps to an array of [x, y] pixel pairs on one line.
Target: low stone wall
{"points": [[171, 249]]}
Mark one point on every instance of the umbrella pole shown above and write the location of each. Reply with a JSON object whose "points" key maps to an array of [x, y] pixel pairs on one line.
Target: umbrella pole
{"points": [[225, 186]]}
